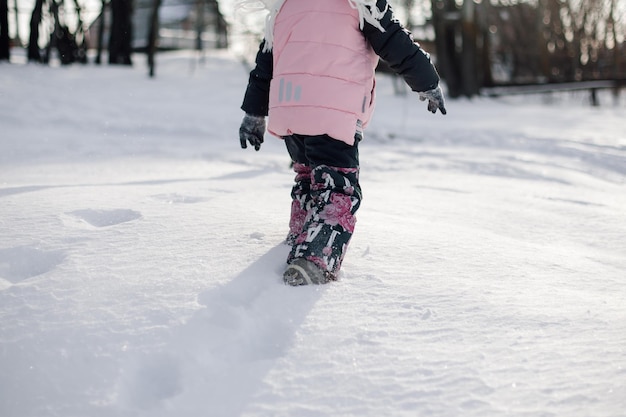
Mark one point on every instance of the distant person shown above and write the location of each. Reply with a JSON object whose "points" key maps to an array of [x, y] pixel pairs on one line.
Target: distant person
{"points": [[314, 76]]}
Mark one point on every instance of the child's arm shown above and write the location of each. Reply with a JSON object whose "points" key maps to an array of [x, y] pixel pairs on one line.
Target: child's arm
{"points": [[405, 57], [256, 101]]}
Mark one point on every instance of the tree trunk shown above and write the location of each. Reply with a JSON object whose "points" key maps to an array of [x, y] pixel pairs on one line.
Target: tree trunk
{"points": [[33, 44], [120, 42], [469, 50], [5, 50], [617, 57], [486, 73], [221, 28], [445, 21], [79, 35], [153, 35], [538, 64], [101, 32], [200, 8], [18, 38]]}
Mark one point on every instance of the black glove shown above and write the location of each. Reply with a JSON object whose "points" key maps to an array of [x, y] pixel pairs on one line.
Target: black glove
{"points": [[252, 130], [435, 99]]}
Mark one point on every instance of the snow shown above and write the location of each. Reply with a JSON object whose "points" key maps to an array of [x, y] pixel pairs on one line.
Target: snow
{"points": [[141, 255]]}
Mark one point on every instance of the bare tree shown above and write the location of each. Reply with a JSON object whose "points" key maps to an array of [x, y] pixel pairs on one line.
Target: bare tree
{"points": [[5, 53], [101, 24], [120, 41], [446, 18], [153, 34], [221, 27], [556, 40], [34, 53], [16, 14], [612, 40]]}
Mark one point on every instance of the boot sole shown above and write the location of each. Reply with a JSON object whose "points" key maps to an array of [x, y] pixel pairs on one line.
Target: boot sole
{"points": [[297, 275]]}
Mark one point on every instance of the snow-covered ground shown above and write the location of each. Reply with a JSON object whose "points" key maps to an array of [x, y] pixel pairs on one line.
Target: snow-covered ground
{"points": [[140, 256]]}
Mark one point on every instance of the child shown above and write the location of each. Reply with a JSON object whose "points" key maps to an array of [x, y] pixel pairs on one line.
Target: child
{"points": [[314, 76]]}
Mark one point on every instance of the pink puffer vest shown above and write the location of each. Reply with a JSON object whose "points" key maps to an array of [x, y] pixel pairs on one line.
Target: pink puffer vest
{"points": [[323, 78]]}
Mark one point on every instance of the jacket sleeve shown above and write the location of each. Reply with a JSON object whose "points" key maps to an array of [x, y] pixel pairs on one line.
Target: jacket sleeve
{"points": [[256, 99], [396, 47]]}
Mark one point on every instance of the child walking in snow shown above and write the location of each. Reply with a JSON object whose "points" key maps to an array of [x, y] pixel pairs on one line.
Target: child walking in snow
{"points": [[314, 77]]}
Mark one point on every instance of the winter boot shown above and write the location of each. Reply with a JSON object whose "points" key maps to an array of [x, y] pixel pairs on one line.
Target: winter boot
{"points": [[303, 272], [335, 198]]}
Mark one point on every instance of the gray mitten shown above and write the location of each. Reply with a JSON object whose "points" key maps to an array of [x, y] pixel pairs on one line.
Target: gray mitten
{"points": [[435, 99], [252, 130]]}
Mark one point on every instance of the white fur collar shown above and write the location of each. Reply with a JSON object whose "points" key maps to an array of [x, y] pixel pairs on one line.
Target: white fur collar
{"points": [[368, 12]]}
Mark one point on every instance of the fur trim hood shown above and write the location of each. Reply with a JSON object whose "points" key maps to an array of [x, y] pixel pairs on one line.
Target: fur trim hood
{"points": [[367, 9]]}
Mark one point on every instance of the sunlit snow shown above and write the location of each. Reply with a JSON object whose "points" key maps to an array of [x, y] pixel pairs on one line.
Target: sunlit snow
{"points": [[141, 255]]}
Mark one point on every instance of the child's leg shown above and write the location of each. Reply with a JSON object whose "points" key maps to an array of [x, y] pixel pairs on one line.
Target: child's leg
{"points": [[300, 199], [330, 222], [301, 190], [335, 197]]}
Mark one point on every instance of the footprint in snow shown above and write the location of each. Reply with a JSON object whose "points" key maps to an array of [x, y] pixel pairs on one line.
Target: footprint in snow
{"points": [[221, 354], [104, 218], [150, 381], [22, 262], [174, 198]]}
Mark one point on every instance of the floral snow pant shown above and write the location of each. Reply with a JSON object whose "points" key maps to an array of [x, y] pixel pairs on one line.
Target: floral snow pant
{"points": [[325, 198]]}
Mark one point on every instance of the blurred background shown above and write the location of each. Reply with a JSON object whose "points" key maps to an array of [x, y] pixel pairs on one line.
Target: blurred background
{"points": [[487, 47]]}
